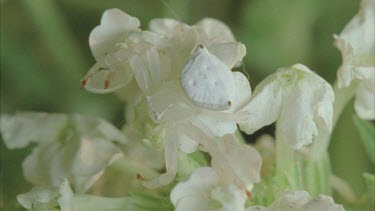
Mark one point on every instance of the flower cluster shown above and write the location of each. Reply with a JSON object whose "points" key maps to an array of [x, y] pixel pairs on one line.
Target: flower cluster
{"points": [[186, 106]]}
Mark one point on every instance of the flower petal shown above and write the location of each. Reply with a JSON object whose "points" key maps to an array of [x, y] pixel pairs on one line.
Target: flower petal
{"points": [[169, 103], [113, 27], [230, 197], [20, 130], [264, 107], [82, 161], [216, 29], [70, 146], [364, 103], [243, 92], [166, 26], [37, 195], [322, 202], [356, 44], [231, 53], [200, 182], [236, 162], [291, 200], [296, 123]]}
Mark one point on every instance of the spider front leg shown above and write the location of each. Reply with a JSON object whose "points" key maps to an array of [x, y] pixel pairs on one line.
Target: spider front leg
{"points": [[171, 156]]}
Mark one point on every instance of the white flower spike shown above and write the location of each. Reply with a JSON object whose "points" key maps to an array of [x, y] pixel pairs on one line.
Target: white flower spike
{"points": [[298, 99], [357, 45]]}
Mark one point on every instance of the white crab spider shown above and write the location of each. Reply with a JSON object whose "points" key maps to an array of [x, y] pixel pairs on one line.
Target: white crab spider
{"points": [[207, 81]]}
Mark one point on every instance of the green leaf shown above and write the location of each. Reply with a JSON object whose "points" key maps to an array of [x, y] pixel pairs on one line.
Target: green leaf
{"points": [[370, 183], [367, 133]]}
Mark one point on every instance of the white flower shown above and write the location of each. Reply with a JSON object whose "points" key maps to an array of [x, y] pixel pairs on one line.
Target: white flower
{"points": [[235, 168], [298, 99], [357, 45], [69, 146], [46, 198], [299, 200], [202, 191], [156, 59]]}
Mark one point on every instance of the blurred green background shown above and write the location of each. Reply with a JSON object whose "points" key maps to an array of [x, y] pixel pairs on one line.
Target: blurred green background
{"points": [[45, 53]]}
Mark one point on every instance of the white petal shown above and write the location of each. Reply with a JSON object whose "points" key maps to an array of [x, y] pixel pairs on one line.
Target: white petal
{"points": [[264, 107], [231, 53], [113, 27], [230, 197], [364, 103], [307, 106], [169, 103], [218, 126], [207, 81], [37, 195], [66, 197], [291, 200], [296, 123], [242, 93], [236, 162], [166, 26], [20, 130], [216, 29], [82, 164], [196, 187], [323, 100], [193, 203], [70, 146], [356, 43], [322, 202]]}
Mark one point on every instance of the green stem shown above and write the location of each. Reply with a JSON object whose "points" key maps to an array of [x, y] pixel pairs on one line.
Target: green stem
{"points": [[287, 164]]}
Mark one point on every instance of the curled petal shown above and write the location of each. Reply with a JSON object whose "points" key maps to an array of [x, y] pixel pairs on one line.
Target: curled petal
{"points": [[113, 27], [264, 107]]}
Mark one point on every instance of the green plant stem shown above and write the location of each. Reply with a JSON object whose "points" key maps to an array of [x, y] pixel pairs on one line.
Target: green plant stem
{"points": [[287, 164]]}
